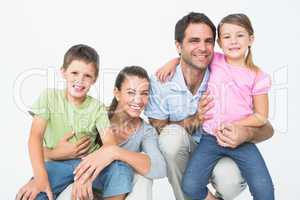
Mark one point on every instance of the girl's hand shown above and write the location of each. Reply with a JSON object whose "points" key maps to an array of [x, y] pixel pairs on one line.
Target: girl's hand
{"points": [[66, 150], [204, 105], [94, 163], [82, 191], [232, 135], [167, 71], [31, 189]]}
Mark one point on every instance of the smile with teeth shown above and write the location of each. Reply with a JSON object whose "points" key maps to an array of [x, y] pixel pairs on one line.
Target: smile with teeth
{"points": [[234, 49], [135, 107], [78, 87]]}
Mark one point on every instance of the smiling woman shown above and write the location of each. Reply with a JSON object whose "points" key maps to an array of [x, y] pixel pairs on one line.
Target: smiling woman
{"points": [[124, 140]]}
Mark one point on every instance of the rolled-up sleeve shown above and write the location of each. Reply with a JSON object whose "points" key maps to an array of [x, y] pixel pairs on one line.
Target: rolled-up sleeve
{"points": [[157, 106], [150, 147]]}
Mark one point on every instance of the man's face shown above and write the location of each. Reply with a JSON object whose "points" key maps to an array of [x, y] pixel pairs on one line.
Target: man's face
{"points": [[197, 46]]}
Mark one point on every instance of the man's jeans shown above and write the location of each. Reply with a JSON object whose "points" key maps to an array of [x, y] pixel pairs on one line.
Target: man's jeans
{"points": [[248, 159]]}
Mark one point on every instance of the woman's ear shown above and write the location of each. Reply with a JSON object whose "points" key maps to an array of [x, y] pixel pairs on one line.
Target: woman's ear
{"points": [[63, 72], [116, 93]]}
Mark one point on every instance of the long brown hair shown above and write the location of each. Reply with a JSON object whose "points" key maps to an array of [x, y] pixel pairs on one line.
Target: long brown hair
{"points": [[123, 74], [242, 20]]}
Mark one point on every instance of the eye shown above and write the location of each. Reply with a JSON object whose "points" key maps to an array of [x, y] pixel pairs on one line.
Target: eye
{"points": [[74, 73], [226, 37], [131, 93], [240, 35], [145, 94], [88, 76]]}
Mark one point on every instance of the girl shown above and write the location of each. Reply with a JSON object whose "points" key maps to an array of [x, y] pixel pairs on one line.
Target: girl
{"points": [[239, 89], [128, 136]]}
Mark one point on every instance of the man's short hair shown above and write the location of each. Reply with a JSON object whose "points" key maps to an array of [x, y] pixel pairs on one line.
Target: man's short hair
{"points": [[192, 18]]}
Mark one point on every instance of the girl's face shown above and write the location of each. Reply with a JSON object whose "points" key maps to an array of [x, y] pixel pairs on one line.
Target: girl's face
{"points": [[80, 76], [133, 96], [234, 41]]}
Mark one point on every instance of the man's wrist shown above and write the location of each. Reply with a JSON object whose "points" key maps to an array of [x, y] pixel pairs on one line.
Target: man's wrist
{"points": [[250, 134]]}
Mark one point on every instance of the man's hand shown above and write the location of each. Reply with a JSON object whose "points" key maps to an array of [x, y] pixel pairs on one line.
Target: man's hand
{"points": [[232, 135], [82, 191], [66, 150], [31, 189]]}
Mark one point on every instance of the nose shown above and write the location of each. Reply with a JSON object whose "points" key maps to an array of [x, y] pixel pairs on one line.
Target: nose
{"points": [[233, 40], [202, 46], [137, 99]]}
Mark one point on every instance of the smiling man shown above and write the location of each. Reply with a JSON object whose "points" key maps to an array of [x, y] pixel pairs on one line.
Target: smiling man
{"points": [[177, 109]]}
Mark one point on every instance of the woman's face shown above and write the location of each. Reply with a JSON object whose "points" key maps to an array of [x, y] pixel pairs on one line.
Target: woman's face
{"points": [[133, 96]]}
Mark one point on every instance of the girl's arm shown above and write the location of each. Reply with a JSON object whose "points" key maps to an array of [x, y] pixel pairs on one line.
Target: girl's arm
{"points": [[167, 71], [260, 115]]}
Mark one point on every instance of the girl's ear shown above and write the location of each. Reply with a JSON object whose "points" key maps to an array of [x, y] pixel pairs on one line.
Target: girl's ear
{"points": [[116, 93], [219, 42], [251, 40]]}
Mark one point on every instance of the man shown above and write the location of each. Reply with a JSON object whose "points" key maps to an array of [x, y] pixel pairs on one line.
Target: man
{"points": [[177, 109]]}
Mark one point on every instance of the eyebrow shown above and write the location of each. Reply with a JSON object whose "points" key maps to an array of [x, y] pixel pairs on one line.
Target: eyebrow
{"points": [[135, 90]]}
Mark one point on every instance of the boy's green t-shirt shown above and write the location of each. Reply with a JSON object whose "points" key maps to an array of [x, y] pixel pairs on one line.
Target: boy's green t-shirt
{"points": [[63, 117]]}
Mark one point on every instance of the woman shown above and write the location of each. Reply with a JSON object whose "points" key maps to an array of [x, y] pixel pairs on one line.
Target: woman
{"points": [[128, 136]]}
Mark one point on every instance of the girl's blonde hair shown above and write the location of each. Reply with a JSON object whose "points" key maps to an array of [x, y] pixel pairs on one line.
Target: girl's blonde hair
{"points": [[242, 20]]}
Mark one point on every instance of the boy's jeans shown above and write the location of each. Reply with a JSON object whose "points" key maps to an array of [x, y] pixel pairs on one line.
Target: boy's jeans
{"points": [[115, 179]]}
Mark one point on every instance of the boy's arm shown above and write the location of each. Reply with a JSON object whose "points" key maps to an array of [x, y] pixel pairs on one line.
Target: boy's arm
{"points": [[35, 145], [260, 115], [40, 182]]}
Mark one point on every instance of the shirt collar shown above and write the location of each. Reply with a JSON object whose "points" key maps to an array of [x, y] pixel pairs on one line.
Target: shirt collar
{"points": [[179, 82]]}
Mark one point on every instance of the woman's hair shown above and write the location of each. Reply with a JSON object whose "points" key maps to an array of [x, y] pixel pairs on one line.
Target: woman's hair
{"points": [[83, 53], [123, 74], [242, 20]]}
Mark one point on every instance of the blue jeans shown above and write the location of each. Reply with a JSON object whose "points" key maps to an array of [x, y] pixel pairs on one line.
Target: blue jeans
{"points": [[115, 179], [248, 159]]}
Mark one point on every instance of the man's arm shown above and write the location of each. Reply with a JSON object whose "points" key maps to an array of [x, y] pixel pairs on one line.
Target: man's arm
{"points": [[189, 124], [234, 135], [261, 134]]}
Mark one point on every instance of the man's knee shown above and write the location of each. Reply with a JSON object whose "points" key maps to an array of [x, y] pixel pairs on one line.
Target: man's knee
{"points": [[228, 188], [171, 139]]}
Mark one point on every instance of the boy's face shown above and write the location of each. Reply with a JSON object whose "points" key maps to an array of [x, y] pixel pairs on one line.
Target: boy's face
{"points": [[80, 76]]}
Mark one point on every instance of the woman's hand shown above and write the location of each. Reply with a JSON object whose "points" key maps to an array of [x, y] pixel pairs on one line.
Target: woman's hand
{"points": [[66, 150], [31, 189], [94, 163], [82, 191]]}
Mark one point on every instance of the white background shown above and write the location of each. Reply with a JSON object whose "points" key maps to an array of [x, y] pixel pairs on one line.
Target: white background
{"points": [[35, 35]]}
